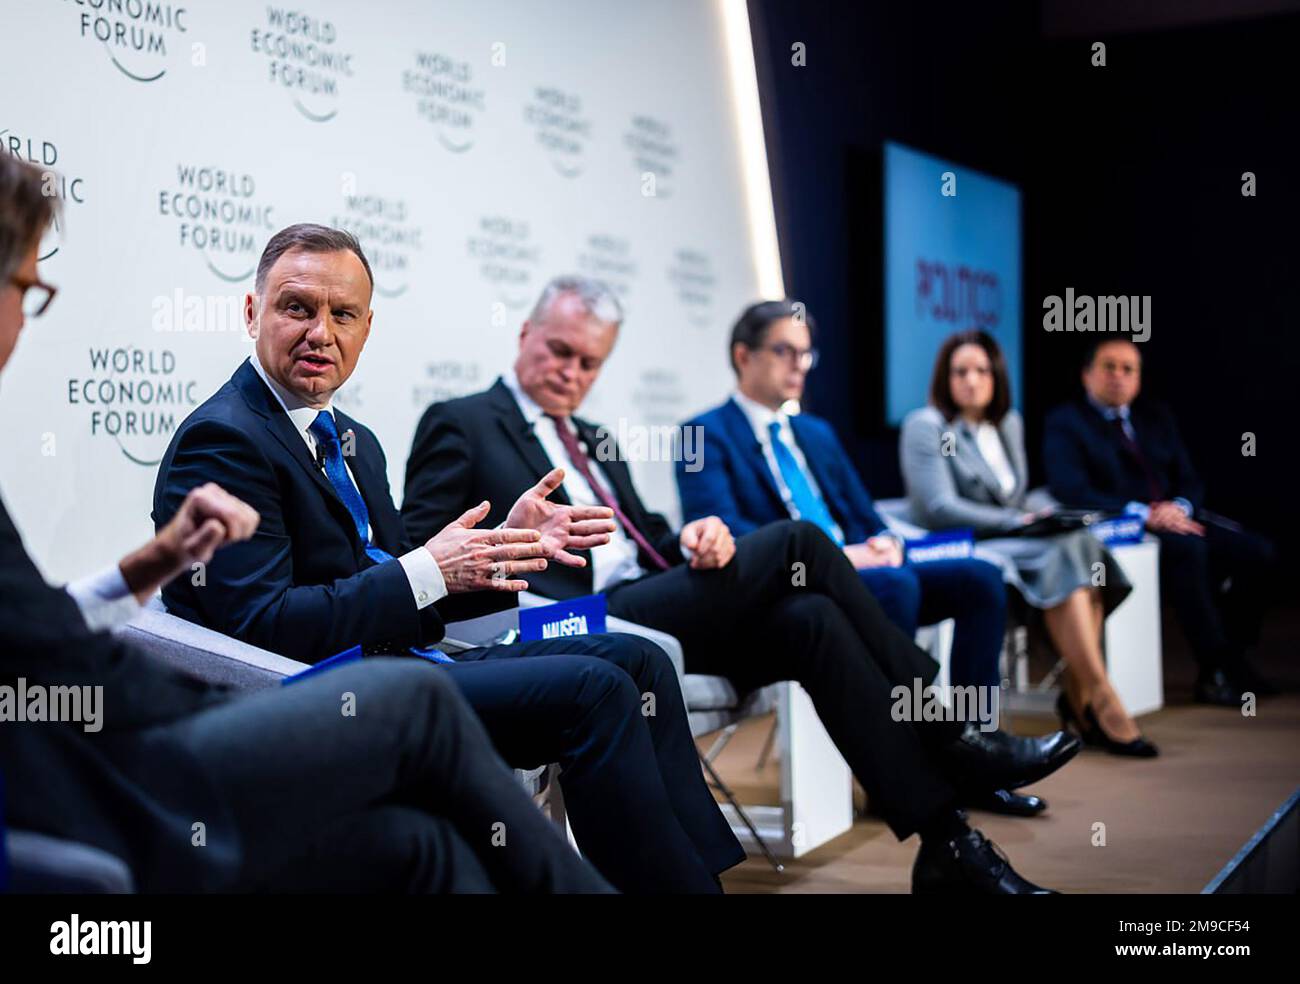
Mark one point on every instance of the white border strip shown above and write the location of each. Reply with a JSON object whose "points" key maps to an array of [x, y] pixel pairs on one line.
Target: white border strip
{"points": [[765, 251]]}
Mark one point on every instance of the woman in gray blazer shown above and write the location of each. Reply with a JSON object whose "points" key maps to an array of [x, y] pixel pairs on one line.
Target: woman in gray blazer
{"points": [[963, 460]]}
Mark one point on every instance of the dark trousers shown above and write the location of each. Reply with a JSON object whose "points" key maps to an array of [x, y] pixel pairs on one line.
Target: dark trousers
{"points": [[1220, 623], [614, 719], [373, 777], [790, 606], [969, 591]]}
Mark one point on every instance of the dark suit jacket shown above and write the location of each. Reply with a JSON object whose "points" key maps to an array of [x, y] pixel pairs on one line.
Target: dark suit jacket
{"points": [[736, 484], [1088, 466], [303, 586], [132, 794], [481, 447]]}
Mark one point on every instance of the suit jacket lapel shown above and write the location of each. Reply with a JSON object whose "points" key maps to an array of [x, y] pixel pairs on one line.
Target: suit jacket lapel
{"points": [[1015, 450], [969, 449], [263, 401], [742, 436], [614, 473], [510, 419]]}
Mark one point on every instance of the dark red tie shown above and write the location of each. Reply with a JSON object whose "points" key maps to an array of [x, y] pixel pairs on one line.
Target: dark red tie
{"points": [[580, 462], [1154, 488]]}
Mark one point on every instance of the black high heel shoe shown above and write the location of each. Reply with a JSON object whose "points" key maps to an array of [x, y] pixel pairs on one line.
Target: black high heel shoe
{"points": [[1091, 732]]}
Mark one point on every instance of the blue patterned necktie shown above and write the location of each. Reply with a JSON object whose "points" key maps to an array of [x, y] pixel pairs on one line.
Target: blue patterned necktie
{"points": [[807, 503], [326, 432]]}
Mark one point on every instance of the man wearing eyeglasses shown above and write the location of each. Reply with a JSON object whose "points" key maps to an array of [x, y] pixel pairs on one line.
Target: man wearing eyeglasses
{"points": [[780, 603], [763, 463]]}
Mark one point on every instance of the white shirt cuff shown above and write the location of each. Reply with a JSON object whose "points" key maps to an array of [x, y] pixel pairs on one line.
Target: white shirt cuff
{"points": [[104, 599], [427, 583], [1138, 509]]}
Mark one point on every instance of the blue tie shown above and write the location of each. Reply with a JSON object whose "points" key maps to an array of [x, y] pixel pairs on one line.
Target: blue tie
{"points": [[807, 503], [326, 432]]}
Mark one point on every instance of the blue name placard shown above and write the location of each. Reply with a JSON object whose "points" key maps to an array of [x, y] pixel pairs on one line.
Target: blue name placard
{"points": [[1125, 529], [575, 617], [946, 545], [325, 665]]}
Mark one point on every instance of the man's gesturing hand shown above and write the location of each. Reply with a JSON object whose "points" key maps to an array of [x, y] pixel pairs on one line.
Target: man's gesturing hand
{"points": [[709, 543], [562, 528], [209, 518], [478, 560]]}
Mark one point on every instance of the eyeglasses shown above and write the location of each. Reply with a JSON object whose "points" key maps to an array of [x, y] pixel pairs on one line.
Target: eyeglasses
{"points": [[37, 296], [805, 359]]}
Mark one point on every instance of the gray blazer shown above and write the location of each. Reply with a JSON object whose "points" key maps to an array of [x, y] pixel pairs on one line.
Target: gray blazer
{"points": [[948, 481]]}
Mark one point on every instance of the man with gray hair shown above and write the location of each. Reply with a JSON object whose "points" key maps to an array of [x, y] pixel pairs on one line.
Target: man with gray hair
{"points": [[781, 603]]}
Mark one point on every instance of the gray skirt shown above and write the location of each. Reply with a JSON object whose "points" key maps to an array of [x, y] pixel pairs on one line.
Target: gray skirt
{"points": [[1047, 570]]}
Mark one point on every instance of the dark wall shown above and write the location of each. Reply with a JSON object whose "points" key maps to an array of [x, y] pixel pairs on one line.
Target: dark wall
{"points": [[1131, 176]]}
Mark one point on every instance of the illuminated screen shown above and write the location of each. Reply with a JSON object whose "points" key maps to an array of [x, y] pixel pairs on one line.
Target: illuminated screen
{"points": [[952, 262]]}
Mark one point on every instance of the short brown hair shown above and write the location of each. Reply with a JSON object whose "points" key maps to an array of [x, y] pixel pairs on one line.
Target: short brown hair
{"points": [[941, 388], [310, 238], [25, 211], [750, 329]]}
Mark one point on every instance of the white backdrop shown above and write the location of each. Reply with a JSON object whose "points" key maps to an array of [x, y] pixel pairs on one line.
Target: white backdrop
{"points": [[478, 147]]}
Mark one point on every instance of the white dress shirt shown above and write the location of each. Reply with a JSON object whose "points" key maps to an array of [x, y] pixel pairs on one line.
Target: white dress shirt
{"points": [[422, 571], [614, 561], [760, 419], [989, 443], [106, 603]]}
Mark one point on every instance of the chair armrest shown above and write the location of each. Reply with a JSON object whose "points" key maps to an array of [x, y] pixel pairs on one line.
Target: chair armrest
{"points": [[897, 514], [39, 863], [204, 654], [215, 658]]}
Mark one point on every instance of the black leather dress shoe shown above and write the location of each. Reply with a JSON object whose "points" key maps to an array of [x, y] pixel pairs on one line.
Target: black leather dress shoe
{"points": [[986, 760], [1007, 803], [969, 864], [1214, 687]]}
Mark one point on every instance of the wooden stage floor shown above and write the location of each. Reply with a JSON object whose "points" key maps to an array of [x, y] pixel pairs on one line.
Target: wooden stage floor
{"points": [[1171, 823]]}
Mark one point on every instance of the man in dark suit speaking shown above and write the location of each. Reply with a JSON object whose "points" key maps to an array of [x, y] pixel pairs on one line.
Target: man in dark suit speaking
{"points": [[1116, 452], [290, 794], [331, 568], [782, 603]]}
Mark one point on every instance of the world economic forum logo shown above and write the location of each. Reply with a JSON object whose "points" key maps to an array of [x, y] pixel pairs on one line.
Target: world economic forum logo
{"points": [[138, 36], [70, 189], [446, 96], [218, 214], [303, 58], [133, 396], [384, 226], [561, 128], [507, 258]]}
